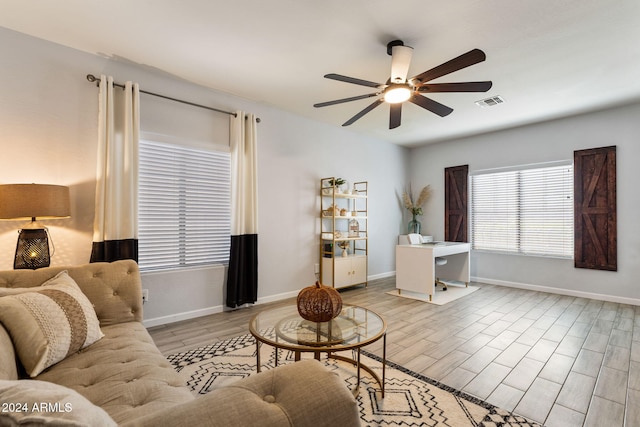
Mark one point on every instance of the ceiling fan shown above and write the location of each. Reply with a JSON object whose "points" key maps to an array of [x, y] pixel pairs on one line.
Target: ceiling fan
{"points": [[398, 89]]}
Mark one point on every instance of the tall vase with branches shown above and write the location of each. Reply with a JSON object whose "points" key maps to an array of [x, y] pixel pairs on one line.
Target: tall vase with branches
{"points": [[415, 207]]}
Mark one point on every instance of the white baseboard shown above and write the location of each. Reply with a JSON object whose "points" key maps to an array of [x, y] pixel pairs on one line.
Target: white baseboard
{"points": [[156, 321], [178, 317], [381, 275], [278, 297], [560, 291]]}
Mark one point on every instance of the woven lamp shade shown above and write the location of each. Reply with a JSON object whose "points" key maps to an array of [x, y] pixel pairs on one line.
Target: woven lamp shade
{"points": [[26, 201], [319, 303]]}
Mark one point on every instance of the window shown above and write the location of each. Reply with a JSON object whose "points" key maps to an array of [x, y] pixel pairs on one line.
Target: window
{"points": [[527, 210], [184, 206]]}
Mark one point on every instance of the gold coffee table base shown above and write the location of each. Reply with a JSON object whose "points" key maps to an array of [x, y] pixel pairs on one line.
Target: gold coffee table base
{"points": [[359, 365], [355, 362], [354, 328]]}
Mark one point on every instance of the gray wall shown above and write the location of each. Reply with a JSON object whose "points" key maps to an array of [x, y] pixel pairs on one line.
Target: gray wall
{"points": [[48, 128], [554, 140]]}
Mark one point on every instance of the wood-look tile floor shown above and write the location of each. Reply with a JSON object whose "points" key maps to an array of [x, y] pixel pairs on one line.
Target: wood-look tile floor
{"points": [[559, 360]]}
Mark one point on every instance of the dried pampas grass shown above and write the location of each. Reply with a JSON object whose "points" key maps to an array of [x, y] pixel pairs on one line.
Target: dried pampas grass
{"points": [[425, 194], [423, 197]]}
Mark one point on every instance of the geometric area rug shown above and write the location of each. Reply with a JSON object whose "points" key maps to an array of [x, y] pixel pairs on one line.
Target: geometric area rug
{"points": [[410, 399]]}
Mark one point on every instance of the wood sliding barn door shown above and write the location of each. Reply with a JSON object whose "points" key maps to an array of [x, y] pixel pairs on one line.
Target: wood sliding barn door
{"points": [[456, 179], [595, 219]]}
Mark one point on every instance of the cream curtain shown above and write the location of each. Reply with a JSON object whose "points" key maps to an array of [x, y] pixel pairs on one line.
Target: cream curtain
{"points": [[115, 228], [242, 277]]}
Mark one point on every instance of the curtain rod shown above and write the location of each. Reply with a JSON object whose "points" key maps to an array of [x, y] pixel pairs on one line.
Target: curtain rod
{"points": [[92, 79]]}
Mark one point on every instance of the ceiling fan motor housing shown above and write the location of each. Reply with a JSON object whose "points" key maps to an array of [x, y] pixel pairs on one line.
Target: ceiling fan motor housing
{"points": [[393, 43]]}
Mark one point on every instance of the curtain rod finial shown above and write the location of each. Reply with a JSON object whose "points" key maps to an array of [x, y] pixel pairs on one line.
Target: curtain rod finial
{"points": [[92, 78]]}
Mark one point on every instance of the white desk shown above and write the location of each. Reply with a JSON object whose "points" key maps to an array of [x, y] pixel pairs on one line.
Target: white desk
{"points": [[416, 269]]}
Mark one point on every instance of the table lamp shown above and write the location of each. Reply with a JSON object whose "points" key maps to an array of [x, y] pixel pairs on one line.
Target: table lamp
{"points": [[31, 201]]}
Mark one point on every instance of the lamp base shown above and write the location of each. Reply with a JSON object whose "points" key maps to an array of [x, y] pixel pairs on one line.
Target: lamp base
{"points": [[32, 250]]}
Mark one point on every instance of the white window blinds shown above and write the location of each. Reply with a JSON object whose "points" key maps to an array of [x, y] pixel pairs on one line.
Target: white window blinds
{"points": [[184, 206], [527, 211]]}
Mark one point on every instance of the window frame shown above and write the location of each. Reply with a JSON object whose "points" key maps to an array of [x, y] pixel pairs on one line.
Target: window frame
{"points": [[565, 208], [188, 218]]}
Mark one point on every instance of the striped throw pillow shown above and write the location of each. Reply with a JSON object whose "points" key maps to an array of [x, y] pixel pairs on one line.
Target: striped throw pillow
{"points": [[49, 323]]}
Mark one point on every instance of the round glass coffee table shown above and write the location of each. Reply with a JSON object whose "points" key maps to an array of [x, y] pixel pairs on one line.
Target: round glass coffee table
{"points": [[354, 328]]}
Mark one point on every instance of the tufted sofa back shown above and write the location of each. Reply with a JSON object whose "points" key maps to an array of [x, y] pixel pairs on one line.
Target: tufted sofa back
{"points": [[114, 288], [8, 370]]}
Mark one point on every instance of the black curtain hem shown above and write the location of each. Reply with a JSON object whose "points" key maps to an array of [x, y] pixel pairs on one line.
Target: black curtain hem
{"points": [[242, 276], [114, 250]]}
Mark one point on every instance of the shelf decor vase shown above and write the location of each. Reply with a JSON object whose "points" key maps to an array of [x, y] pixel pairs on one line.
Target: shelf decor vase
{"points": [[414, 226]]}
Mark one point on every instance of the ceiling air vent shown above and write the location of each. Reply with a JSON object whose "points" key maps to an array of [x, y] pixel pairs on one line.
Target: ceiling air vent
{"points": [[490, 102]]}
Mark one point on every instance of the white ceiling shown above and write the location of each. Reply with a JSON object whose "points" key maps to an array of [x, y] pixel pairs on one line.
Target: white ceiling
{"points": [[546, 58]]}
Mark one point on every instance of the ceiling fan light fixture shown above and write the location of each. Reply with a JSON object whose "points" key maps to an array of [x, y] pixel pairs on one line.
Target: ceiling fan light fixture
{"points": [[397, 93]]}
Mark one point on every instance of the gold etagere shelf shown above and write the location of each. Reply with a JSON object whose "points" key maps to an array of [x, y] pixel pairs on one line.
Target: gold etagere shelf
{"points": [[344, 239]]}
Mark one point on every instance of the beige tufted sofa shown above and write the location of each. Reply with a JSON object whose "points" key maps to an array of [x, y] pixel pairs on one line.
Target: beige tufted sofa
{"points": [[125, 374]]}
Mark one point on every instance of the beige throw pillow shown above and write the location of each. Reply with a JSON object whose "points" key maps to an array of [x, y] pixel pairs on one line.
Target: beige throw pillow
{"points": [[49, 323], [31, 403]]}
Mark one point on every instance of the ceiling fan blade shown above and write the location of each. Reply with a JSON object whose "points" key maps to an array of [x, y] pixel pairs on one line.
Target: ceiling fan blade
{"points": [[431, 105], [363, 112], [353, 80], [340, 101], [395, 115], [456, 87], [400, 61], [465, 60]]}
